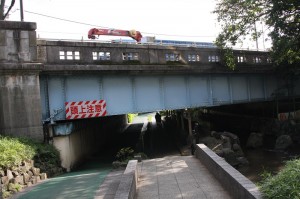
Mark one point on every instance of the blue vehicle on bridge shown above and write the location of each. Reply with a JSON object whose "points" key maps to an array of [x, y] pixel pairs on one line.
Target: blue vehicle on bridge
{"points": [[152, 40]]}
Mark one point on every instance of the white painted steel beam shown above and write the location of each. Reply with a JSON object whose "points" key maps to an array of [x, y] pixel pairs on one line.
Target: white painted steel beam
{"points": [[132, 94]]}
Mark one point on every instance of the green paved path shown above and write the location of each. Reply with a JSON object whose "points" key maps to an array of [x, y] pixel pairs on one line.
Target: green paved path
{"points": [[80, 184]]}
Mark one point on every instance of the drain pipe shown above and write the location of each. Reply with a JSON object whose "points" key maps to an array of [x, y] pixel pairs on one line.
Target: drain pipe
{"points": [[47, 123]]}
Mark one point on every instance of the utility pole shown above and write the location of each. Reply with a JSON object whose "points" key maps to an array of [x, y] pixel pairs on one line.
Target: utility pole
{"points": [[21, 10]]}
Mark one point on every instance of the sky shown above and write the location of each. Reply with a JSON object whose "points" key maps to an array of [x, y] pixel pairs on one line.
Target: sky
{"points": [[171, 19], [188, 20]]}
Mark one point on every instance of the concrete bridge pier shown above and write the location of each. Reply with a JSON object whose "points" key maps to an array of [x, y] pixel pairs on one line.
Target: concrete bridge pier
{"points": [[20, 101]]}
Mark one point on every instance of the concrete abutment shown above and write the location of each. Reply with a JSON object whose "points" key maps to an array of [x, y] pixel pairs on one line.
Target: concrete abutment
{"points": [[20, 101]]}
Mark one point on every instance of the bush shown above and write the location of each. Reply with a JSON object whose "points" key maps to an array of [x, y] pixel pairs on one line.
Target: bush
{"points": [[13, 151], [284, 185], [125, 154], [47, 158]]}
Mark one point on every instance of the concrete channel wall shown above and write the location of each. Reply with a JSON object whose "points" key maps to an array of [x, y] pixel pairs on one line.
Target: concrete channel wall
{"points": [[89, 136], [233, 181]]}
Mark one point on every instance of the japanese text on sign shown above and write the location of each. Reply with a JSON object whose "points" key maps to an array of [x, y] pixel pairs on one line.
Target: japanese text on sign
{"points": [[85, 109]]}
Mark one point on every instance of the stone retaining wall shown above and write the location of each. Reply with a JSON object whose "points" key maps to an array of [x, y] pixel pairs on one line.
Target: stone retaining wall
{"points": [[14, 180]]}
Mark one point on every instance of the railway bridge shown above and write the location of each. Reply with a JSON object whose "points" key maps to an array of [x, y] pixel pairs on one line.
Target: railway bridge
{"points": [[49, 88]]}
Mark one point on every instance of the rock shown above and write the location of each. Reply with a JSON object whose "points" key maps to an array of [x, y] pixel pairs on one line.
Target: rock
{"points": [[15, 173], [17, 180], [236, 147], [227, 151], [234, 138], [2, 173], [226, 142], [9, 174], [34, 180], [4, 180], [23, 169], [283, 142], [243, 160], [29, 183], [38, 179], [43, 176], [230, 157], [35, 171], [30, 173], [26, 178], [255, 140], [211, 142], [28, 164], [215, 134]]}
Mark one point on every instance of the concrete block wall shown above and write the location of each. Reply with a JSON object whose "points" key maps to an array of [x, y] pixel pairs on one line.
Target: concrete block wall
{"points": [[128, 182], [233, 181]]}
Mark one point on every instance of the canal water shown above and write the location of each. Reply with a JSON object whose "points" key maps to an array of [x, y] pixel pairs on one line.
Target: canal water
{"points": [[261, 160]]}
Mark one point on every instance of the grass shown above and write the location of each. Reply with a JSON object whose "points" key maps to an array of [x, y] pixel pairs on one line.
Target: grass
{"points": [[284, 185], [15, 150]]}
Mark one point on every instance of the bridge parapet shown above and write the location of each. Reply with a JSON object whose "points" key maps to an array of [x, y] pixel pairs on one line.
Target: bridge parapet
{"points": [[95, 56]]}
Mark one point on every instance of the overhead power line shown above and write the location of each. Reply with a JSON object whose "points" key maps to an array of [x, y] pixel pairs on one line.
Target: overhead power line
{"points": [[61, 19], [93, 25]]}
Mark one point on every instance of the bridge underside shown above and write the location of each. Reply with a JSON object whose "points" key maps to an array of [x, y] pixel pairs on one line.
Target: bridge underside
{"points": [[131, 94]]}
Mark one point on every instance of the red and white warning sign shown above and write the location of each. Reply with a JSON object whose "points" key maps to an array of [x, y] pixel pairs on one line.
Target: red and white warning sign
{"points": [[85, 109]]}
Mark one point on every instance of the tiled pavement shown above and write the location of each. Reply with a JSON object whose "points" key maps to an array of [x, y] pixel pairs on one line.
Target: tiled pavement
{"points": [[177, 177]]}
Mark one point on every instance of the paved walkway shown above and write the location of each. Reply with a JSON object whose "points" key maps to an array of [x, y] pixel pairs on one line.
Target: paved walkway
{"points": [[177, 177], [81, 184], [108, 188], [169, 177]]}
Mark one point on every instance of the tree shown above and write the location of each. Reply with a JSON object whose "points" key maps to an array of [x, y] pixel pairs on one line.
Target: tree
{"points": [[238, 19], [4, 14]]}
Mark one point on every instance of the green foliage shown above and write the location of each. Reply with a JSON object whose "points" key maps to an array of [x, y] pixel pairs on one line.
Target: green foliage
{"points": [[6, 194], [14, 187], [125, 154], [13, 151], [238, 19], [285, 184], [47, 158], [229, 58], [131, 116]]}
